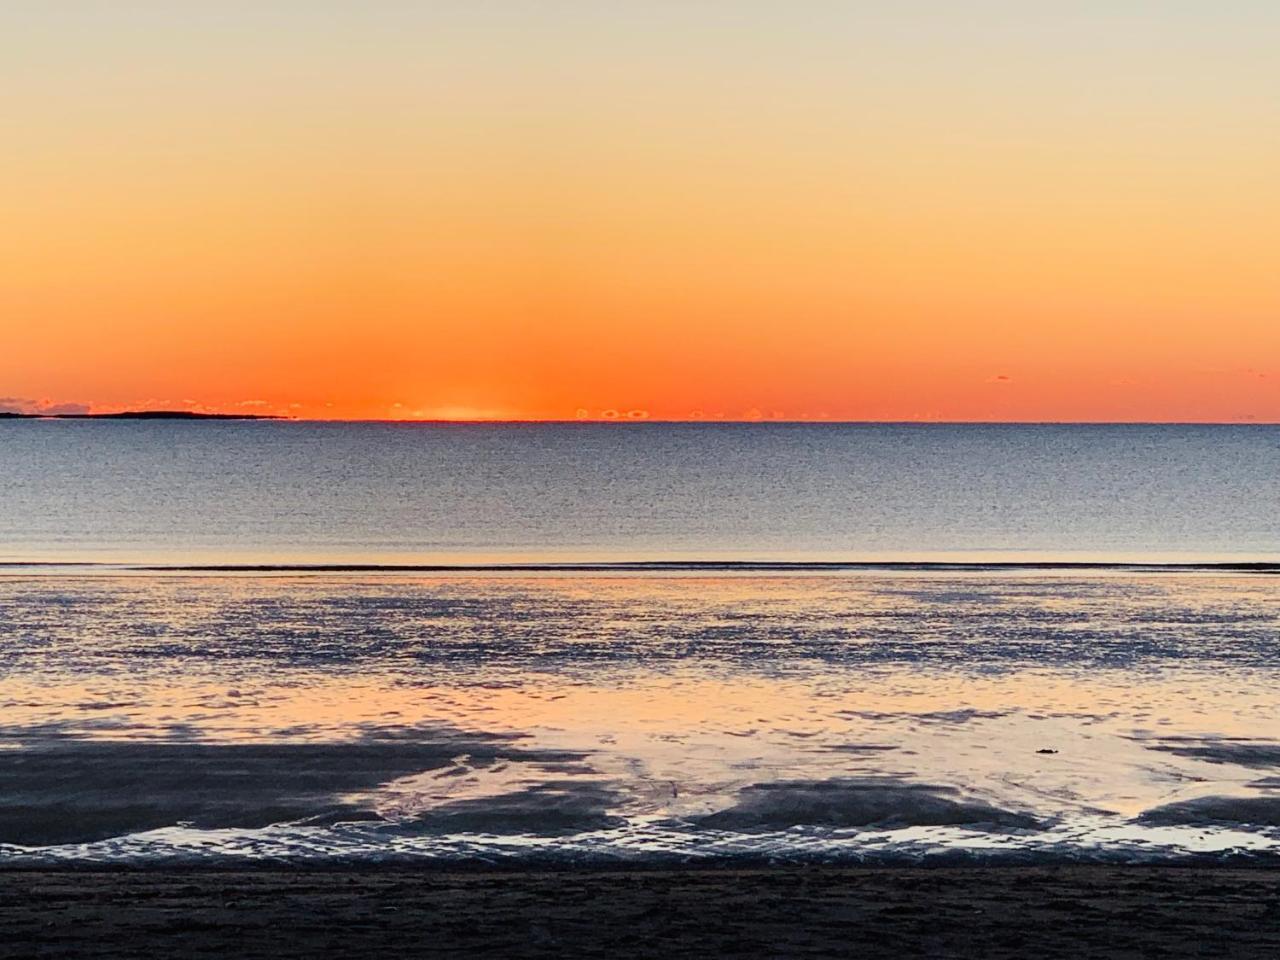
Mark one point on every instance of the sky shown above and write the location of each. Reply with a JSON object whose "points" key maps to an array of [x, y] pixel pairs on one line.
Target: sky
{"points": [[924, 209]]}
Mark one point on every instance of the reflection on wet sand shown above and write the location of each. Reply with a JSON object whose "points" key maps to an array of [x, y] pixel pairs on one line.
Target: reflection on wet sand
{"points": [[326, 716]]}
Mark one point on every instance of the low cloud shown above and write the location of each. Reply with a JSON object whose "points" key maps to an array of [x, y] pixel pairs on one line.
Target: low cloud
{"points": [[65, 409], [45, 407]]}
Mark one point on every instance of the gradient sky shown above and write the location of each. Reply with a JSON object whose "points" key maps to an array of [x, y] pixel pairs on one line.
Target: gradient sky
{"points": [[893, 210]]}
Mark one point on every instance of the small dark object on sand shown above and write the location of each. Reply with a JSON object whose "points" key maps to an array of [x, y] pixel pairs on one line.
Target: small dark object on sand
{"points": [[1046, 750]]}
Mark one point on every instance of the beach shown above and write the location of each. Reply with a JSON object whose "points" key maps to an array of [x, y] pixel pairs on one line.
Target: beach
{"points": [[447, 724], [990, 912], [863, 717], [576, 479]]}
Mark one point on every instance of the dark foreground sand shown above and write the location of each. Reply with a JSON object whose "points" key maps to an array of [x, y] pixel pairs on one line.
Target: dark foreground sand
{"points": [[784, 912]]}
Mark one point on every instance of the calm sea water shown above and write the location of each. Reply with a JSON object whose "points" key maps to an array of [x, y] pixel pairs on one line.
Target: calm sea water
{"points": [[621, 715], [175, 492]]}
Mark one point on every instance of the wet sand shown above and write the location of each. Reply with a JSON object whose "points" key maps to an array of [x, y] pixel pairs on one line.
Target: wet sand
{"points": [[1000, 912]]}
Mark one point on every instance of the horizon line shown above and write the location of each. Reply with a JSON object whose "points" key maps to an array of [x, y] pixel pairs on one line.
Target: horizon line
{"points": [[609, 421], [1259, 566], [637, 421]]}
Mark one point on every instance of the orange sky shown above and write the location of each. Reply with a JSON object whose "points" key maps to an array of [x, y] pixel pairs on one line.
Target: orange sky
{"points": [[559, 210]]}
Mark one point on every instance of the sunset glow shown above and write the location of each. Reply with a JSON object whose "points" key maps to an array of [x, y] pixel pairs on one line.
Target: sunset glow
{"points": [[573, 210]]}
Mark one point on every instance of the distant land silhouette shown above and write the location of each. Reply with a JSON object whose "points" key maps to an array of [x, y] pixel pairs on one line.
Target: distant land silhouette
{"points": [[139, 415]]}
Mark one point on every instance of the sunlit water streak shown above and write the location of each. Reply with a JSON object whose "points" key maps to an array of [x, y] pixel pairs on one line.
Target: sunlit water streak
{"points": [[859, 715]]}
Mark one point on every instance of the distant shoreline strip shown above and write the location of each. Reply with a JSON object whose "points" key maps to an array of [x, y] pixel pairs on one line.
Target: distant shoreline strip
{"points": [[670, 566]]}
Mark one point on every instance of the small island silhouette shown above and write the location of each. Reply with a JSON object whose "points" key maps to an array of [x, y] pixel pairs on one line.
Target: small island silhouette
{"points": [[138, 415]]}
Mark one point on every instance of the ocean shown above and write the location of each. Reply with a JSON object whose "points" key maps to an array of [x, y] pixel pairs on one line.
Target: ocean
{"points": [[179, 493], [258, 642]]}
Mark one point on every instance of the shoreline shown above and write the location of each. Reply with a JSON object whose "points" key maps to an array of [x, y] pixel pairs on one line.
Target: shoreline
{"points": [[707, 567], [943, 912]]}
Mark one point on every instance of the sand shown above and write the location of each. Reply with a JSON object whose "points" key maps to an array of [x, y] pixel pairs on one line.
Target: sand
{"points": [[1042, 912]]}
